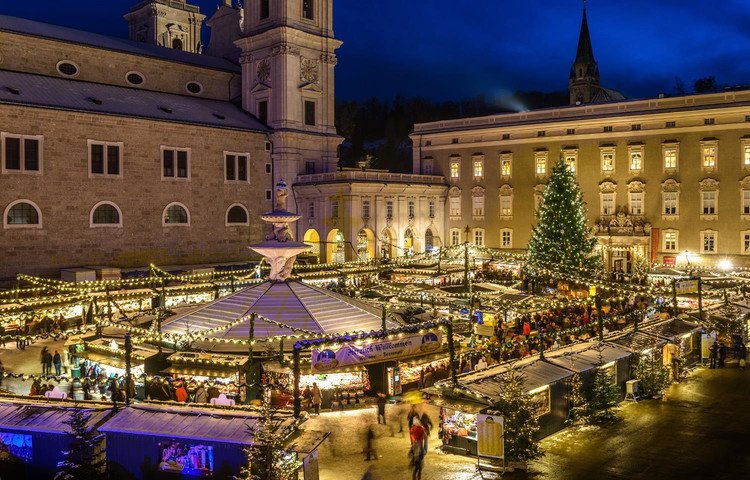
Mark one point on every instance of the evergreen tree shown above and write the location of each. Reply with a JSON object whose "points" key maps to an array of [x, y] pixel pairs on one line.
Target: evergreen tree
{"points": [[562, 239], [605, 393], [521, 426], [82, 461], [580, 409], [652, 375], [269, 457]]}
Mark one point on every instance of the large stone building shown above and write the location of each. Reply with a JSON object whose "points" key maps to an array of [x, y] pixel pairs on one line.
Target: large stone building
{"points": [[124, 152], [665, 179]]}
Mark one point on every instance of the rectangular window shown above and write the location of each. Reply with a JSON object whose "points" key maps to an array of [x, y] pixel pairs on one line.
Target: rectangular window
{"points": [[670, 203], [478, 206], [506, 239], [540, 160], [608, 203], [746, 202], [746, 154], [708, 242], [311, 210], [105, 158], [670, 241], [506, 205], [636, 160], [411, 208], [175, 162], [308, 9], [670, 158], [335, 209], [310, 113], [268, 168], [570, 131], [455, 237], [670, 124], [608, 161], [746, 242], [427, 167], [389, 209], [268, 194], [432, 209], [541, 133], [365, 209], [479, 237], [21, 153], [607, 129], [636, 203], [265, 9], [506, 136], [635, 126], [709, 121], [478, 169], [263, 111], [454, 141], [571, 160], [309, 167], [505, 167], [708, 203], [455, 170], [236, 167], [708, 154], [455, 204]]}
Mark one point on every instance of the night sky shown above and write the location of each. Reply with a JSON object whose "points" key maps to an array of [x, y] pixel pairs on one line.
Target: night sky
{"points": [[446, 49]]}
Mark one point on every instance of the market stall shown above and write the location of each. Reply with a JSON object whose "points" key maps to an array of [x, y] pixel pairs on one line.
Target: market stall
{"points": [[106, 356], [33, 435], [585, 357], [681, 333]]}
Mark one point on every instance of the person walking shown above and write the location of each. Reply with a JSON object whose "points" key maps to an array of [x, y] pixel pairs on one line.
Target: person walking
{"points": [[713, 354], [381, 407], [46, 362], [57, 361], [427, 425], [317, 398], [370, 452], [416, 456], [307, 397], [411, 416], [722, 354]]}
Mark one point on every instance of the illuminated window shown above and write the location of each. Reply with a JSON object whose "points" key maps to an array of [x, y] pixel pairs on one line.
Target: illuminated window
{"points": [[709, 154], [608, 160], [635, 159], [506, 165], [479, 237], [670, 240], [670, 158], [708, 203], [478, 169], [540, 160], [608, 203], [671, 203], [708, 241], [571, 161], [455, 236], [455, 206], [636, 203], [506, 238], [455, 169], [746, 154]]}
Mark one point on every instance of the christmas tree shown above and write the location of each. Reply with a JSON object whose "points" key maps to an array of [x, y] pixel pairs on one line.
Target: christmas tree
{"points": [[580, 409], [562, 240], [269, 457], [519, 416], [83, 460], [605, 393], [652, 375]]}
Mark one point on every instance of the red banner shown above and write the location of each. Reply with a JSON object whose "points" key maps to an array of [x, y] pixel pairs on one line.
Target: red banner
{"points": [[654, 244]]}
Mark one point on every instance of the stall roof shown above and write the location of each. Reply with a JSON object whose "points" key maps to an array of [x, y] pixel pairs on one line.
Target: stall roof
{"points": [[210, 425], [37, 416], [637, 342], [672, 328], [581, 357], [488, 383]]}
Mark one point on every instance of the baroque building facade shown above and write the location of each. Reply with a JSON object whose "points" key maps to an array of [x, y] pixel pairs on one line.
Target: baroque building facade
{"points": [[122, 152]]}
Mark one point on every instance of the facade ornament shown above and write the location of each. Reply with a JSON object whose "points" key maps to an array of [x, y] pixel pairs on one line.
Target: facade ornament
{"points": [[477, 191], [708, 184], [670, 185], [622, 223], [264, 71], [607, 187], [744, 183], [506, 190], [454, 192], [636, 186], [308, 70], [328, 58], [285, 49]]}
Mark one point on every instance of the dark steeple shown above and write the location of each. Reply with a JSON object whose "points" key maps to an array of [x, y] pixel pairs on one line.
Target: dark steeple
{"points": [[584, 74], [585, 50]]}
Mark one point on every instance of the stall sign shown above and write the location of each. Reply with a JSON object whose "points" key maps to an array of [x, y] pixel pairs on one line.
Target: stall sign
{"points": [[484, 330], [540, 401], [490, 436], [349, 354], [686, 286], [185, 459], [707, 339]]}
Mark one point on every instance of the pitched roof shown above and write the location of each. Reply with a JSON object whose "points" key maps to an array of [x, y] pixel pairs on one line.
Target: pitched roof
{"points": [[581, 357], [56, 32], [59, 93], [293, 303], [42, 417], [585, 52]]}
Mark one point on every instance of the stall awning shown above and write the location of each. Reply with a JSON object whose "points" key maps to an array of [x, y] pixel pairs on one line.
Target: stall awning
{"points": [[179, 371], [582, 357], [104, 359], [458, 404]]}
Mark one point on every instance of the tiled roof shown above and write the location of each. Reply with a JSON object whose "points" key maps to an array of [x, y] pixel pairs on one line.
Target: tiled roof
{"points": [[64, 94], [57, 32]]}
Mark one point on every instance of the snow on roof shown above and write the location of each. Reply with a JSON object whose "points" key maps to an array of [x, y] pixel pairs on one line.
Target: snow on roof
{"points": [[41, 417], [205, 424], [672, 328], [57, 32], [300, 305], [59, 93], [581, 357], [637, 341]]}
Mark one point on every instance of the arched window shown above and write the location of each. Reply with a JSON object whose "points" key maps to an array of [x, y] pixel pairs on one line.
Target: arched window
{"points": [[106, 214], [177, 44], [176, 214], [22, 214], [428, 240], [237, 215]]}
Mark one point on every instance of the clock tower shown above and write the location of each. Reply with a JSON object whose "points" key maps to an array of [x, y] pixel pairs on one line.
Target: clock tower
{"points": [[288, 60]]}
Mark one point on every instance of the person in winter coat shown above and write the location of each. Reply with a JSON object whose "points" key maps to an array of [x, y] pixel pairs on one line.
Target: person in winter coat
{"points": [[317, 398], [181, 393], [57, 361], [427, 425], [213, 392], [201, 394], [36, 387]]}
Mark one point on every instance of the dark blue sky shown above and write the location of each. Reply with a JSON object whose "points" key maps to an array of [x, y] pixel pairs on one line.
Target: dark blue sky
{"points": [[447, 49]]}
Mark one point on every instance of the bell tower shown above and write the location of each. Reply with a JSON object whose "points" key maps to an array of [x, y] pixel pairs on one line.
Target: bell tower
{"points": [[169, 23], [288, 60], [584, 74]]}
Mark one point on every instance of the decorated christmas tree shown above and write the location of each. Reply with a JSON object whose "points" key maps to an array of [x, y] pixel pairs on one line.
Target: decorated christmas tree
{"points": [[605, 393], [652, 375], [83, 460], [269, 457], [580, 409], [521, 425], [562, 240]]}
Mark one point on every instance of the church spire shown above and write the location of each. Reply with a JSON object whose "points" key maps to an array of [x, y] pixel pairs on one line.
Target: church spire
{"points": [[584, 74], [585, 50]]}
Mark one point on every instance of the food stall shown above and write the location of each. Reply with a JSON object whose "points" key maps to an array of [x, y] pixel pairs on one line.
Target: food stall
{"points": [[107, 356], [547, 384], [585, 357]]}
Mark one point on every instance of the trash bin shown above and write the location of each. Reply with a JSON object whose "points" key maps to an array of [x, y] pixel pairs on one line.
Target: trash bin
{"points": [[75, 372]]}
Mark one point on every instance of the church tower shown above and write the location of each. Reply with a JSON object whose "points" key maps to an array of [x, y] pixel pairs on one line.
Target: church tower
{"points": [[288, 60], [169, 23], [584, 74]]}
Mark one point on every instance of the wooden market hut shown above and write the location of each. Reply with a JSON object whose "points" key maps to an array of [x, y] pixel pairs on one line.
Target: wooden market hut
{"points": [[681, 332], [584, 358], [33, 435]]}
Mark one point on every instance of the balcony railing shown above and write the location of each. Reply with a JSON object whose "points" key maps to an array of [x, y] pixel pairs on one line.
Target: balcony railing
{"points": [[369, 176]]}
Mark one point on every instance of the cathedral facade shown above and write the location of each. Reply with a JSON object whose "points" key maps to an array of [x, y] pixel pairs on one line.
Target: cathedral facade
{"points": [[157, 148]]}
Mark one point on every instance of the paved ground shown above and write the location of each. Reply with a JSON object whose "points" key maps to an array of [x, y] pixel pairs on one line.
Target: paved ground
{"points": [[700, 431]]}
